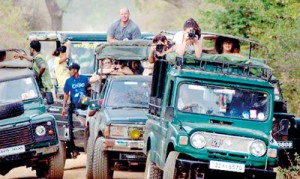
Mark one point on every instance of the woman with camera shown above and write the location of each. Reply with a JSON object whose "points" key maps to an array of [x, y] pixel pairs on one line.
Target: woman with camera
{"points": [[189, 40]]}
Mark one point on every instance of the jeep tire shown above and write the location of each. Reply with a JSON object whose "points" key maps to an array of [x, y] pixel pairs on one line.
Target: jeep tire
{"points": [[55, 169], [89, 158], [151, 171], [170, 171], [12, 109], [101, 168]]}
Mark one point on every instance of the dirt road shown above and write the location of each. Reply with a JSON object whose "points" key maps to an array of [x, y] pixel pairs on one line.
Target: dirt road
{"points": [[74, 169]]}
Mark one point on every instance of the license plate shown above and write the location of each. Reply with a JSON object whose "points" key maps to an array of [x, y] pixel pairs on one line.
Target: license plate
{"points": [[285, 144], [134, 145], [12, 150], [227, 166]]}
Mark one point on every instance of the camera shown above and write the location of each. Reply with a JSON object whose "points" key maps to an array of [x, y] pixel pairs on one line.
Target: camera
{"points": [[192, 34], [159, 47]]}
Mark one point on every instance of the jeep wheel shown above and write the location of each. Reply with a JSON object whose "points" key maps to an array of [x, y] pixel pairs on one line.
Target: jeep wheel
{"points": [[11, 109], [101, 168], [152, 172], [170, 167], [55, 168], [89, 158], [64, 150]]}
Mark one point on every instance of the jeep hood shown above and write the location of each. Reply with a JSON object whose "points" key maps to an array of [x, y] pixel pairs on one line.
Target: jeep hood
{"points": [[126, 115], [225, 129]]}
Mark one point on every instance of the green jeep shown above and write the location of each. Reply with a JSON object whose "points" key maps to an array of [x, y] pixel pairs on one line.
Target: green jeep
{"points": [[28, 135], [117, 116], [82, 52], [210, 117]]}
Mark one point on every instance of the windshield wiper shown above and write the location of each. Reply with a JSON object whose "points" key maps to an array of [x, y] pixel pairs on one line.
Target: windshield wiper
{"points": [[137, 107]]}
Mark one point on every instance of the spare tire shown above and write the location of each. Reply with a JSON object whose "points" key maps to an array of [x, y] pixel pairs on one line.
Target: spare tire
{"points": [[11, 109]]}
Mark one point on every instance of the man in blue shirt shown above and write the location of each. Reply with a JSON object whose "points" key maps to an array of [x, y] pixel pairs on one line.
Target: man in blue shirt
{"points": [[76, 87]]}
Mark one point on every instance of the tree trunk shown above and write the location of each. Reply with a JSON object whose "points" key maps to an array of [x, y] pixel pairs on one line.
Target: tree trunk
{"points": [[56, 14]]}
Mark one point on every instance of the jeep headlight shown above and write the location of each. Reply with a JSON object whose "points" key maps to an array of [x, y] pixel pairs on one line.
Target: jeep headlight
{"points": [[198, 140], [257, 148], [118, 131], [40, 130]]}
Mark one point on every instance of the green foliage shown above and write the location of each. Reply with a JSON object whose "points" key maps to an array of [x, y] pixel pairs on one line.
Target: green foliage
{"points": [[274, 23], [293, 171], [13, 26]]}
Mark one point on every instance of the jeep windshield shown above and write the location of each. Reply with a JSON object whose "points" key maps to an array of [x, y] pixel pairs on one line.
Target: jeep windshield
{"points": [[20, 89], [223, 101], [83, 54], [129, 94]]}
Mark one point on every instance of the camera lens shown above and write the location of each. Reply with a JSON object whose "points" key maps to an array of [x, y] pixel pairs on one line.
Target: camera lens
{"points": [[159, 47], [192, 34]]}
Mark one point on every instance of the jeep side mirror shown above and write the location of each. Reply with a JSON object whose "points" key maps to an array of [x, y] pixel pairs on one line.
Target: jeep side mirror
{"points": [[169, 114], [94, 107]]}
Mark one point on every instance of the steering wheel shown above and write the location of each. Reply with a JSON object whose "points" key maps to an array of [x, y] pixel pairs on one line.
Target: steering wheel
{"points": [[191, 107]]}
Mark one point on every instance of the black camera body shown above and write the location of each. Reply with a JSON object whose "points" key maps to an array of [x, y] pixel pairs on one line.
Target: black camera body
{"points": [[192, 34], [160, 47]]}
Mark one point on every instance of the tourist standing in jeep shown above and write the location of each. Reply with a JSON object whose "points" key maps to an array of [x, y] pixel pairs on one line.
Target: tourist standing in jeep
{"points": [[189, 40], [76, 87], [211, 117], [28, 135], [124, 28], [40, 67]]}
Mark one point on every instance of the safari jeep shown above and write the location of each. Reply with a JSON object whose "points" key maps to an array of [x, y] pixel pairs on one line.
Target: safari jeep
{"points": [[286, 129], [210, 117], [28, 135], [117, 116], [82, 51]]}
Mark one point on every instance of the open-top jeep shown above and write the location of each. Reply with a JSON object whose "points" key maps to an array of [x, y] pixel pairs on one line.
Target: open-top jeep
{"points": [[82, 52], [211, 116], [28, 135], [116, 121]]}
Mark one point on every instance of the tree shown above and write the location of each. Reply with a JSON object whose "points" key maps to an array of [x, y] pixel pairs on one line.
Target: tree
{"points": [[13, 26], [56, 13], [274, 23]]}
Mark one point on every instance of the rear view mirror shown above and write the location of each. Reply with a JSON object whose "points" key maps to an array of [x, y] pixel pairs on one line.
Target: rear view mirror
{"points": [[169, 114]]}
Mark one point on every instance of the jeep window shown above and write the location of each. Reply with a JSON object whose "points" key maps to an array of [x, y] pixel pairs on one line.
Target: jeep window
{"points": [[20, 89], [83, 54], [223, 101], [129, 94]]}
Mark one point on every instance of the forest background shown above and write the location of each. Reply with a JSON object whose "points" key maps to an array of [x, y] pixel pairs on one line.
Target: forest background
{"points": [[276, 23]]}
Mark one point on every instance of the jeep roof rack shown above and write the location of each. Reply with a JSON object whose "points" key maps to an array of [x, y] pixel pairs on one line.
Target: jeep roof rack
{"points": [[124, 50], [72, 35], [227, 65], [16, 64], [214, 36]]}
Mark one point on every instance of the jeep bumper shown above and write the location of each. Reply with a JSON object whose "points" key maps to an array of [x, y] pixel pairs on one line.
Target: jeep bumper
{"points": [[200, 169], [123, 145], [30, 154]]}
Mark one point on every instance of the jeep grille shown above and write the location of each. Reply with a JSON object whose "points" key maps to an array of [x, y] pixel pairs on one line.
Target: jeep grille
{"points": [[19, 134], [227, 143]]}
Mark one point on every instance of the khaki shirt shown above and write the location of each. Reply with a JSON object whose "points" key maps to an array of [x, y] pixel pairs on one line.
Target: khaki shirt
{"points": [[38, 61]]}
